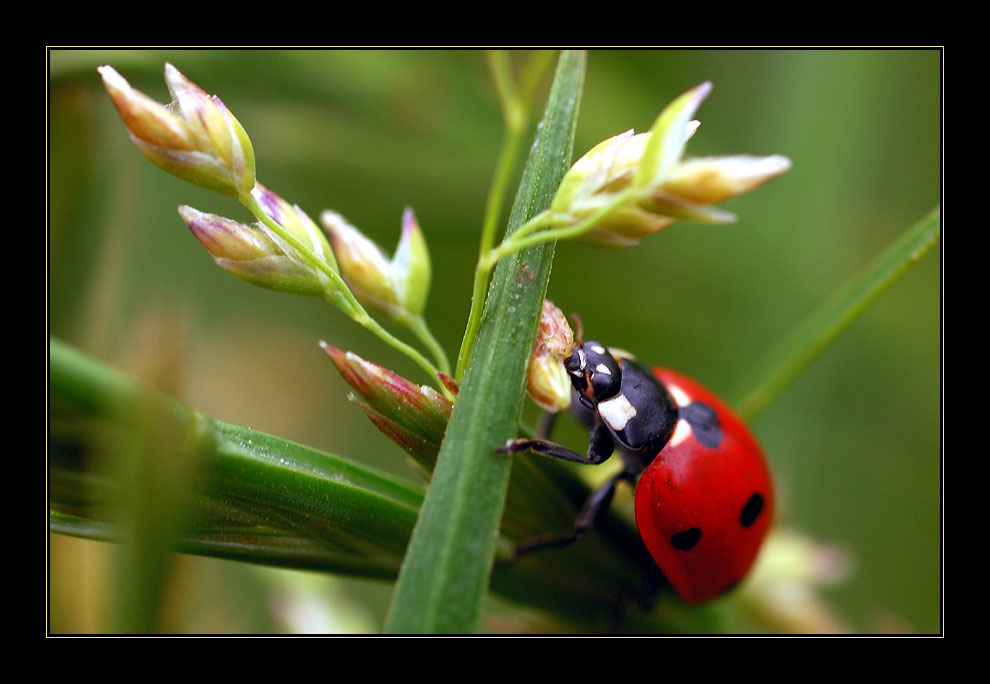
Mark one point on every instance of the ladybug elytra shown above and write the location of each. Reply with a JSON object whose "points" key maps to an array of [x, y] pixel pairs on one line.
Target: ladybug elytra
{"points": [[704, 498]]}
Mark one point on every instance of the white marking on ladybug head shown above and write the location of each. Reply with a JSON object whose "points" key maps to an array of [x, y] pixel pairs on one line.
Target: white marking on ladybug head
{"points": [[597, 348], [681, 432], [617, 411], [603, 369], [679, 395]]}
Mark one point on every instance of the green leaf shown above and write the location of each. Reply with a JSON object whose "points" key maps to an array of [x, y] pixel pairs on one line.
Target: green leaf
{"points": [[778, 369], [446, 570], [245, 495], [265, 500]]}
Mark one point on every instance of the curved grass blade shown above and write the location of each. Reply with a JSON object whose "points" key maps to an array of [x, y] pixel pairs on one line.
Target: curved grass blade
{"points": [[778, 369], [251, 495]]}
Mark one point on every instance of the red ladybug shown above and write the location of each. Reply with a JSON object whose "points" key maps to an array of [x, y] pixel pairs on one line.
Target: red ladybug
{"points": [[704, 499]]}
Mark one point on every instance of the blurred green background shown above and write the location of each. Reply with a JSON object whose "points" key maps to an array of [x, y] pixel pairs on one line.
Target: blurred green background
{"points": [[855, 443]]}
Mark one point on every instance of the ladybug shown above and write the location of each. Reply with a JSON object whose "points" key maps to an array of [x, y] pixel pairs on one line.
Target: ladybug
{"points": [[704, 498]]}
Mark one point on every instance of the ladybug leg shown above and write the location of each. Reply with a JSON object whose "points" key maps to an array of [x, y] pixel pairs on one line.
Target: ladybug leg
{"points": [[600, 447], [591, 512], [598, 503]]}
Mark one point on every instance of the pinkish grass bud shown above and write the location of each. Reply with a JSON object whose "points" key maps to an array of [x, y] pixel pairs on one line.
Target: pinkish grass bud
{"points": [[254, 254], [195, 137], [413, 416]]}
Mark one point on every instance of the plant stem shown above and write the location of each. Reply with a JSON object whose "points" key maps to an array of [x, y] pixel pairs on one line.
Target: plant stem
{"points": [[542, 220], [347, 302], [486, 262], [521, 239], [503, 172], [515, 110], [341, 296], [526, 237], [421, 330], [505, 87]]}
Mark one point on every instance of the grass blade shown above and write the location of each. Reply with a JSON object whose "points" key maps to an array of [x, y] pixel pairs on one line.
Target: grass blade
{"points": [[771, 375], [245, 494], [446, 570]]}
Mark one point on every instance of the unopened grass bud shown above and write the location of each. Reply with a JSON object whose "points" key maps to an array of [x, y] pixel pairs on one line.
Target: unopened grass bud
{"points": [[252, 254], [195, 137], [397, 287], [661, 186], [413, 416]]}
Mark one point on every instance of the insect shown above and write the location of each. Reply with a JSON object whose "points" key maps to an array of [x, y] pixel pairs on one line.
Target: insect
{"points": [[704, 498]]}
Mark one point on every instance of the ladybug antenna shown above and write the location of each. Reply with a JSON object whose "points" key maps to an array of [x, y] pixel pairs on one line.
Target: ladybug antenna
{"points": [[580, 330]]}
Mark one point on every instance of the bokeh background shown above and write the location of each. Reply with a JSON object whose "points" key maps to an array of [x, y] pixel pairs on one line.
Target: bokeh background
{"points": [[855, 442]]}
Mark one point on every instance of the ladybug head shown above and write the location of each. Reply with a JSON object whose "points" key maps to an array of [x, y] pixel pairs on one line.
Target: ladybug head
{"points": [[594, 372]]}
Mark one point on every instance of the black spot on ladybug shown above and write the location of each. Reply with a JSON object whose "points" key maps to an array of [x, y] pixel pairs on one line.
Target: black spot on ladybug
{"points": [[751, 511], [686, 540], [704, 423]]}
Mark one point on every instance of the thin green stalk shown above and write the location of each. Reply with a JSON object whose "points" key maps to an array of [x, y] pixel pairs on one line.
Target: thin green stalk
{"points": [[511, 145], [346, 302], [374, 326], [482, 272], [527, 238], [783, 364], [542, 220], [421, 330], [505, 87], [503, 172], [516, 107], [448, 563], [341, 295]]}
